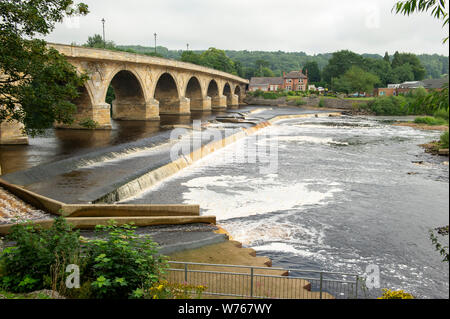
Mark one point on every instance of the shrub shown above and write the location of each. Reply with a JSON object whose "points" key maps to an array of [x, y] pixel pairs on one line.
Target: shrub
{"points": [[392, 105], [121, 262], [299, 101], [442, 114], [443, 143], [39, 258], [400, 294], [89, 123], [428, 120], [322, 102], [270, 95]]}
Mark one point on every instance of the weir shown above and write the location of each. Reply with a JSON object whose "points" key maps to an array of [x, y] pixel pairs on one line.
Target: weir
{"points": [[123, 172]]}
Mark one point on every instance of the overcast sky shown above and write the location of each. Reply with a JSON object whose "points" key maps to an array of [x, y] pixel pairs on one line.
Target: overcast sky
{"points": [[314, 26]]}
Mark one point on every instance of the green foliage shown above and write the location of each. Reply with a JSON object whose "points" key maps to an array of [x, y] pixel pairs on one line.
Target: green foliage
{"points": [[355, 80], [411, 60], [300, 102], [39, 258], [391, 105], [443, 231], [313, 71], [443, 142], [442, 114], [37, 78], [340, 63], [110, 95], [121, 262], [431, 102], [322, 102], [428, 120], [89, 123]]}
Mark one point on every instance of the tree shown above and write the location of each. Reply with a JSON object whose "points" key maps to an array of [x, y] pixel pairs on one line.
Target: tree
{"points": [[379, 67], [217, 59], [411, 59], [403, 73], [339, 63], [96, 41], [386, 57], [37, 83], [313, 71], [355, 80], [191, 57]]}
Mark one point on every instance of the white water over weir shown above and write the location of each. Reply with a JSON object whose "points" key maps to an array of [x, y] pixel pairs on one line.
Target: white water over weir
{"points": [[347, 194]]}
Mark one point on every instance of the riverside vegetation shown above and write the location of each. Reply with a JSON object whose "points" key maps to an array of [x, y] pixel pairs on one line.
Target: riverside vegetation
{"points": [[116, 264]]}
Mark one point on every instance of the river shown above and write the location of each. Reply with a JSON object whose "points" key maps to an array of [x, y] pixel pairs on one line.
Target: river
{"points": [[347, 193]]}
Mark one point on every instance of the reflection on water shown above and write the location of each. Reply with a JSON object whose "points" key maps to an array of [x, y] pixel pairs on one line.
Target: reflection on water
{"points": [[57, 144]]}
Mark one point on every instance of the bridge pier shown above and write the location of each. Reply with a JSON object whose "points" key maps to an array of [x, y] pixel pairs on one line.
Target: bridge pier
{"points": [[99, 115], [11, 134], [233, 100], [219, 102], [181, 106], [135, 111], [201, 104]]}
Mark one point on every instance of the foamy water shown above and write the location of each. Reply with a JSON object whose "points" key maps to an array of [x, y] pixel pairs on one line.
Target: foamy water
{"points": [[342, 199]]}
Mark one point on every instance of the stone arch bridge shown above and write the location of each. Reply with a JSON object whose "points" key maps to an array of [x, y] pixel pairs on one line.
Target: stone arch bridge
{"points": [[145, 87]]}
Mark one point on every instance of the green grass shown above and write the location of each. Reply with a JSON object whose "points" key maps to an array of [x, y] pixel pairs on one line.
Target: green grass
{"points": [[443, 143], [429, 120]]}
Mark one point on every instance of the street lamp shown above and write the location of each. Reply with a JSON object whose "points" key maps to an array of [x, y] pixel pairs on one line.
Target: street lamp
{"points": [[155, 41], [104, 41]]}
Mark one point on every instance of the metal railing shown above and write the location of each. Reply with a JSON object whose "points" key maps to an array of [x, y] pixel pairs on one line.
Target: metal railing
{"points": [[266, 282]]}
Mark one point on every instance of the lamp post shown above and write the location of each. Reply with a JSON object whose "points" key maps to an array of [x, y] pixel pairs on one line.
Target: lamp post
{"points": [[155, 41], [104, 41]]}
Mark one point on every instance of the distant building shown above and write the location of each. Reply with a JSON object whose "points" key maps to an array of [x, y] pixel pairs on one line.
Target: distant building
{"points": [[265, 83], [396, 89], [292, 81]]}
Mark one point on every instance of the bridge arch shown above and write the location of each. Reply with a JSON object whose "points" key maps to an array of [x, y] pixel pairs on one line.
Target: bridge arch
{"points": [[130, 100], [167, 92], [193, 92], [238, 92], [213, 89], [227, 92]]}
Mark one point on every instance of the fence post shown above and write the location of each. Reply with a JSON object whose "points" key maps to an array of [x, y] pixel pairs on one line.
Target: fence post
{"points": [[251, 282], [185, 273], [356, 292], [321, 284]]}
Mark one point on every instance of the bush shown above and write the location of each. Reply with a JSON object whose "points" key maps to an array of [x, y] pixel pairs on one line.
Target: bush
{"points": [[428, 120], [400, 294], [122, 263], [322, 102], [39, 258], [441, 114], [300, 101], [270, 95], [392, 105], [443, 143]]}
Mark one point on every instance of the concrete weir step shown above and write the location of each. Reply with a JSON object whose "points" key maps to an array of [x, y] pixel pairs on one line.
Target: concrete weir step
{"points": [[91, 222], [105, 210]]}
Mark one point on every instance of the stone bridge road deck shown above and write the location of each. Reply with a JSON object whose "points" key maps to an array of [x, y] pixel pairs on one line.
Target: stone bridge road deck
{"points": [[86, 178]]}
